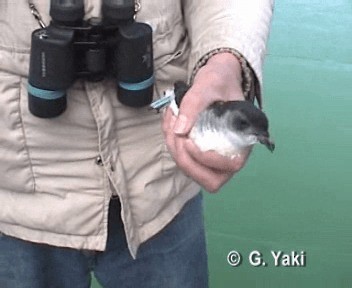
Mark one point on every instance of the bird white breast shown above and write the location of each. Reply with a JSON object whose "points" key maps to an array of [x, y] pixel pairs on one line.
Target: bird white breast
{"points": [[226, 143]]}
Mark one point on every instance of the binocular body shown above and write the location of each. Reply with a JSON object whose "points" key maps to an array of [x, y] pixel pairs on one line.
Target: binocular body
{"points": [[70, 48]]}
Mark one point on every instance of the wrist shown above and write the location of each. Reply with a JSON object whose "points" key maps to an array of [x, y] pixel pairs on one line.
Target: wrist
{"points": [[223, 73], [232, 65], [228, 69]]}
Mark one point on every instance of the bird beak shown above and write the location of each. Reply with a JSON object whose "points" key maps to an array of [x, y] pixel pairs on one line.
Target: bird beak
{"points": [[265, 140]]}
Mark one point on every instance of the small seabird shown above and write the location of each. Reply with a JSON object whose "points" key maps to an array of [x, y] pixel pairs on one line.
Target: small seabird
{"points": [[224, 127]]}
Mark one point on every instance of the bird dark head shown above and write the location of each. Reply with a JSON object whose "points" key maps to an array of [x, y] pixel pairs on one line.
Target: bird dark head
{"points": [[245, 119]]}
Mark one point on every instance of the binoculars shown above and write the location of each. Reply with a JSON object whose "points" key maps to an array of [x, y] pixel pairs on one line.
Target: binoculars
{"points": [[71, 48]]}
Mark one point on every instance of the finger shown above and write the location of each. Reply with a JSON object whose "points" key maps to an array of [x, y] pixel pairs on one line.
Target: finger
{"points": [[168, 121], [210, 179], [170, 144], [216, 161], [192, 104]]}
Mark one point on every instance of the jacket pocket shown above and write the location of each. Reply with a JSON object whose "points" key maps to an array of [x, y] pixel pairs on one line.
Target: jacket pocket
{"points": [[15, 170]]}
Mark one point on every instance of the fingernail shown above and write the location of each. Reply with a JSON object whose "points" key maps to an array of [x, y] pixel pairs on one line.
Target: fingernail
{"points": [[181, 125]]}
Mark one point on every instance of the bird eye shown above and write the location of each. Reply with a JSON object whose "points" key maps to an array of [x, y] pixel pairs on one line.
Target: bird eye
{"points": [[242, 124]]}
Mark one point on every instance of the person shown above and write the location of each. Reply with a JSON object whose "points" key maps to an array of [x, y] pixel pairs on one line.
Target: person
{"points": [[114, 189]]}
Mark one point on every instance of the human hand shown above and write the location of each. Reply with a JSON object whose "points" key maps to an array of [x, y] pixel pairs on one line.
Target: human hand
{"points": [[219, 80]]}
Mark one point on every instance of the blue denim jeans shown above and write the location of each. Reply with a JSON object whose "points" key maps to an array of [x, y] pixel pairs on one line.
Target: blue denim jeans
{"points": [[174, 258]]}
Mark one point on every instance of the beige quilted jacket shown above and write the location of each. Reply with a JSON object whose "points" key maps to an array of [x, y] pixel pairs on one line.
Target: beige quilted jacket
{"points": [[57, 175]]}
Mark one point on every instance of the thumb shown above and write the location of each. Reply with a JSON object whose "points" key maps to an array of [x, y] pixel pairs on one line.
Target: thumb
{"points": [[183, 124], [190, 107]]}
